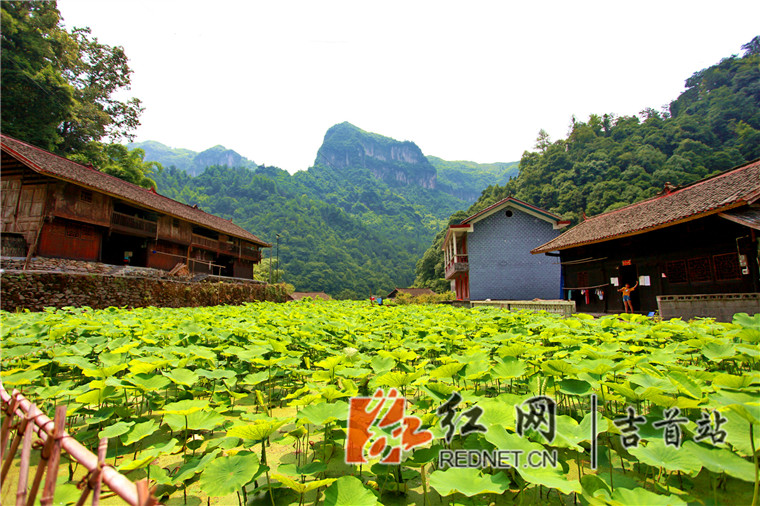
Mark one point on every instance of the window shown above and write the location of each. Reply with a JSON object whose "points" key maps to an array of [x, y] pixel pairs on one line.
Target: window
{"points": [[509, 213], [727, 266], [85, 196], [676, 272], [699, 270]]}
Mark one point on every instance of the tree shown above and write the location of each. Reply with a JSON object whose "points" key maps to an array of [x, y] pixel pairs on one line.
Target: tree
{"points": [[117, 160], [543, 140], [36, 97], [58, 86]]}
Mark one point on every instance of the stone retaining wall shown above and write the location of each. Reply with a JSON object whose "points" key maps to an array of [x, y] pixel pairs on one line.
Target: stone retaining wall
{"points": [[36, 290]]}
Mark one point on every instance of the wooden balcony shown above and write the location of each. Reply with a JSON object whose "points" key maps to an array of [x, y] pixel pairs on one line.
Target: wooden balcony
{"points": [[456, 265], [200, 241], [226, 248], [132, 224]]}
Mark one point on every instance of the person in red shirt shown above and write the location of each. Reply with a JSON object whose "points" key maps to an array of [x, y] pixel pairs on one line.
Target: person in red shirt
{"points": [[627, 289]]}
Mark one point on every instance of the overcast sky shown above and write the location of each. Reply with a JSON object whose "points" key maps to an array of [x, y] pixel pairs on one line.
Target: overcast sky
{"points": [[464, 80]]}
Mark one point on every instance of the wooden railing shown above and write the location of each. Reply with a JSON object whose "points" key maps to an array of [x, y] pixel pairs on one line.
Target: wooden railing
{"points": [[205, 242], [133, 223], [459, 263], [26, 419]]}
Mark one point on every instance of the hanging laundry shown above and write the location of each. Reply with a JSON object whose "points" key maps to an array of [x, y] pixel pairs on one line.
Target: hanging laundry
{"points": [[600, 293]]}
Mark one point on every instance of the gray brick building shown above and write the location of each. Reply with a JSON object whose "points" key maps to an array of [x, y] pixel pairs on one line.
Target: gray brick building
{"points": [[487, 255]]}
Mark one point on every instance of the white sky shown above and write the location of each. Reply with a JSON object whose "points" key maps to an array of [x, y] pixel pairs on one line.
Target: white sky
{"points": [[464, 80]]}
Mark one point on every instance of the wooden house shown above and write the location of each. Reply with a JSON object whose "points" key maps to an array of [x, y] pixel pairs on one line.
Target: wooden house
{"points": [[54, 207], [414, 292], [487, 255], [698, 239]]}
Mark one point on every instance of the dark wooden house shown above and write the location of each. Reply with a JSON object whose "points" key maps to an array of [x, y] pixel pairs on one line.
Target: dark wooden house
{"points": [[697, 239], [414, 292], [54, 207]]}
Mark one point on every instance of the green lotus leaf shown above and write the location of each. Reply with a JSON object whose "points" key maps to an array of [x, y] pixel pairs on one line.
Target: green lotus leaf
{"points": [[737, 433], [260, 429], [159, 449], [349, 491], [320, 414], [139, 463], [194, 466], [447, 370], [558, 367], [140, 431], [468, 481], [115, 430], [105, 372], [255, 378], [21, 378], [721, 460], [747, 405], [149, 382], [382, 364], [215, 374], [185, 407], [657, 454], [399, 354], [197, 420], [182, 376], [549, 477], [159, 475], [734, 381], [97, 395], [302, 488], [331, 393], [508, 368], [575, 387], [227, 475], [501, 439], [396, 379], [642, 497]]}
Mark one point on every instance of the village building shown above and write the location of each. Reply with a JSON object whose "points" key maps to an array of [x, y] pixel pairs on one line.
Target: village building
{"points": [[412, 292], [487, 255], [53, 207], [696, 244]]}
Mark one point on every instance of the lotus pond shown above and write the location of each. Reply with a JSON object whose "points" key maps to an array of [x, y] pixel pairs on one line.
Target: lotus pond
{"points": [[250, 404]]}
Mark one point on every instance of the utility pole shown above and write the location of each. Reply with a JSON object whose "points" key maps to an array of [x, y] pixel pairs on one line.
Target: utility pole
{"points": [[270, 266], [278, 259]]}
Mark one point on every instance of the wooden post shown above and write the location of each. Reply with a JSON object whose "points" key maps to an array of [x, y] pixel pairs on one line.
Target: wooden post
{"points": [[23, 472], [48, 492], [14, 447], [102, 450], [6, 428]]}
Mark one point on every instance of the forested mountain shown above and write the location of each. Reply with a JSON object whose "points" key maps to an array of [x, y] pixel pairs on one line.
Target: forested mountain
{"points": [[190, 161], [353, 224], [466, 180], [609, 162]]}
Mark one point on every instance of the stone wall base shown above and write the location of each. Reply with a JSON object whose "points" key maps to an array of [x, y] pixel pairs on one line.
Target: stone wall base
{"points": [[37, 290]]}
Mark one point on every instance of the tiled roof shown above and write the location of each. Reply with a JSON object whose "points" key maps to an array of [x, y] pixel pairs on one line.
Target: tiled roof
{"points": [[725, 191], [414, 292], [749, 217], [517, 203], [58, 167]]}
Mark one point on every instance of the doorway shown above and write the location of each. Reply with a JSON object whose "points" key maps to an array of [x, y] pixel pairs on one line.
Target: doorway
{"points": [[629, 275]]}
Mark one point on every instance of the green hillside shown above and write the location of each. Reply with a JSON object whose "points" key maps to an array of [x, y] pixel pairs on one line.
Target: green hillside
{"points": [[353, 224]]}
